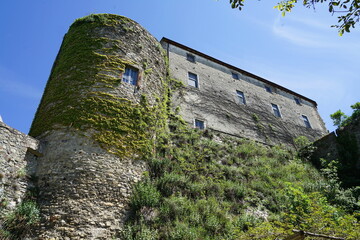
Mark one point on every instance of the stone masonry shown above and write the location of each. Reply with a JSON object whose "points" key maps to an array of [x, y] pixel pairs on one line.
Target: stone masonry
{"points": [[97, 121], [215, 101], [83, 189], [90, 123], [17, 163], [342, 145]]}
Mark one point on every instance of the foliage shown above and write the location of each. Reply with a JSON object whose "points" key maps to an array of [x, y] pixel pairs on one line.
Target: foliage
{"points": [[228, 188], [18, 222], [310, 212], [301, 142], [139, 232], [145, 194], [304, 147], [340, 119], [348, 10], [255, 117], [356, 112]]}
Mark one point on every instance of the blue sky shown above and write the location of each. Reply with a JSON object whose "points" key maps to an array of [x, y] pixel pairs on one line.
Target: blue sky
{"points": [[300, 52]]}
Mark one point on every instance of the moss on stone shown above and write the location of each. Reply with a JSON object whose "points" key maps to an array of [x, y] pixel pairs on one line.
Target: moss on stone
{"points": [[79, 93]]}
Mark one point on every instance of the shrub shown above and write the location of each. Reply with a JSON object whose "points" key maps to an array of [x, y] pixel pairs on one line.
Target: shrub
{"points": [[18, 222], [144, 195], [208, 189], [139, 232], [172, 182], [301, 142], [234, 191], [182, 231]]}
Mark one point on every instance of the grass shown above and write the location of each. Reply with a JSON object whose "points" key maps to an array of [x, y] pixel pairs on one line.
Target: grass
{"points": [[18, 222], [227, 189]]}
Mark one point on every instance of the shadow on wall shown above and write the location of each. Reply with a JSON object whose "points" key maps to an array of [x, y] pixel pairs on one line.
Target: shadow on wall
{"points": [[342, 146]]}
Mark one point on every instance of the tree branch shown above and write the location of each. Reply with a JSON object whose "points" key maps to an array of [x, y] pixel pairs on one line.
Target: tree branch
{"points": [[317, 235]]}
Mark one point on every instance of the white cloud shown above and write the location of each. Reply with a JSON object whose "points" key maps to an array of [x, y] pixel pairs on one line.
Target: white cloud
{"points": [[296, 35], [306, 31]]}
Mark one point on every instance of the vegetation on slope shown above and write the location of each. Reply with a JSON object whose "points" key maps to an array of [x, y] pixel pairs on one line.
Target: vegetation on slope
{"points": [[17, 223], [203, 186]]}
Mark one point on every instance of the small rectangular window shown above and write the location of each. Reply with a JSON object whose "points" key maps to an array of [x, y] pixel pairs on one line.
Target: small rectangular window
{"points": [[268, 89], [276, 110], [235, 76], [199, 124], [193, 80], [297, 101], [130, 75], [241, 97], [190, 57], [306, 121]]}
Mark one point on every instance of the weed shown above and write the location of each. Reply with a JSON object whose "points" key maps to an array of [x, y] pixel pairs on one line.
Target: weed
{"points": [[18, 222]]}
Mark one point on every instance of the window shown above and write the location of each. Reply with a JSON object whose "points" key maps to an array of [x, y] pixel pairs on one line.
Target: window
{"points": [[276, 110], [130, 75], [297, 101], [190, 57], [199, 124], [268, 89], [193, 80], [306, 121], [235, 76], [241, 97]]}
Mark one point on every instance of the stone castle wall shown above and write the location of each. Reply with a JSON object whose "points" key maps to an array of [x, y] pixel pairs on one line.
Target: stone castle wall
{"points": [[17, 164], [95, 128], [215, 101], [83, 189], [343, 145]]}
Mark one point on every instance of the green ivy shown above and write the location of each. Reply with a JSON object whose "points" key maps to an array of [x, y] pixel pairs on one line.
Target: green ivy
{"points": [[87, 61]]}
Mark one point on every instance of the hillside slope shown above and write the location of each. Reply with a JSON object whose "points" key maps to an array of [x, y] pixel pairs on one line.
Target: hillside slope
{"points": [[205, 186]]}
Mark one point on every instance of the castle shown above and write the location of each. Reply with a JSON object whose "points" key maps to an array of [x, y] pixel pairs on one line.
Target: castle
{"points": [[230, 100], [105, 105]]}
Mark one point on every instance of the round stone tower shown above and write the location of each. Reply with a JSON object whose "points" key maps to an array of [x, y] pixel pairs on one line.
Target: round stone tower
{"points": [[102, 110]]}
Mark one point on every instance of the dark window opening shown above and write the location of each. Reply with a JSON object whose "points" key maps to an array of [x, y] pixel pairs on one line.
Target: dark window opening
{"points": [[199, 124], [306, 121], [241, 97], [235, 76], [276, 110], [130, 75], [190, 57], [268, 89], [193, 80]]}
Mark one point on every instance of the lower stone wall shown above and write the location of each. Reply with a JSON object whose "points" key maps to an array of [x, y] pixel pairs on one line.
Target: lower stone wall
{"points": [[17, 163], [83, 190], [342, 145]]}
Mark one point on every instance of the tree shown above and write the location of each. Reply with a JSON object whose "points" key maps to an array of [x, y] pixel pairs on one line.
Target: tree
{"points": [[338, 118], [356, 112], [348, 10]]}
